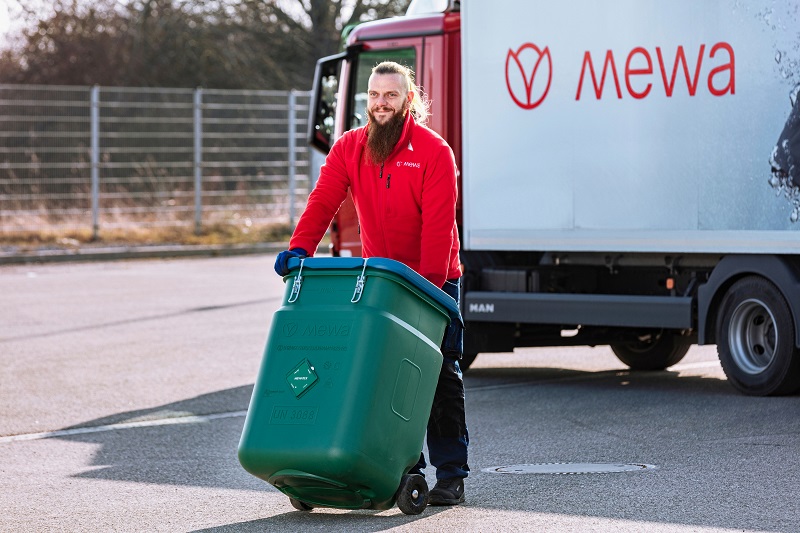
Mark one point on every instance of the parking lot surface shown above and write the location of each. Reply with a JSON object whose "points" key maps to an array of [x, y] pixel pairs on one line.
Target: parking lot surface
{"points": [[124, 385]]}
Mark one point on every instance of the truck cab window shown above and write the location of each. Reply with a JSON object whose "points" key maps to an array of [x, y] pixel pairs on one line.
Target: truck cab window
{"points": [[365, 64], [325, 99]]}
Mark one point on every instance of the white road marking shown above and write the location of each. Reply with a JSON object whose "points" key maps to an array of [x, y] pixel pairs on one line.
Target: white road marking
{"points": [[123, 425]]}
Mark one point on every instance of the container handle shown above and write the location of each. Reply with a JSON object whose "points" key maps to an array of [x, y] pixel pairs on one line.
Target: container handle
{"points": [[298, 282], [360, 284]]}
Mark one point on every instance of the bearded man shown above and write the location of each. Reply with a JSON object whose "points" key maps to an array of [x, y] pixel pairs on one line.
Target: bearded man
{"points": [[403, 180]]}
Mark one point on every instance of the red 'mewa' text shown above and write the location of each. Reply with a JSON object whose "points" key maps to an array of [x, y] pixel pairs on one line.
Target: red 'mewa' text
{"points": [[720, 80]]}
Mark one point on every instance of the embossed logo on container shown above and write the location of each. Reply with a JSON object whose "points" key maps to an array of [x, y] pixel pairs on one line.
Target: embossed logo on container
{"points": [[320, 329], [288, 415], [326, 330]]}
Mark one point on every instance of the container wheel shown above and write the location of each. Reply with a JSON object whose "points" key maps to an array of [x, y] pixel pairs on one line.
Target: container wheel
{"points": [[300, 505], [755, 339], [412, 496], [655, 350]]}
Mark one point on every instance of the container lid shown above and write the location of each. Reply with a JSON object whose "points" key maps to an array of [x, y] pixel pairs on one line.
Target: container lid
{"points": [[386, 265]]}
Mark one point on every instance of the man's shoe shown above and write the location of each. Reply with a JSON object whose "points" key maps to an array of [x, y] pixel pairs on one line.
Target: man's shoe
{"points": [[447, 492]]}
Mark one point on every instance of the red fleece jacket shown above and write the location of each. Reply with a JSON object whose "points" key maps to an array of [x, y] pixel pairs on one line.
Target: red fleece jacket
{"points": [[406, 207]]}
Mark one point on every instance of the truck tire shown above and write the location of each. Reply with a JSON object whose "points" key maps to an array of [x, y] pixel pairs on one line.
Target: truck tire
{"points": [[655, 351], [755, 339]]}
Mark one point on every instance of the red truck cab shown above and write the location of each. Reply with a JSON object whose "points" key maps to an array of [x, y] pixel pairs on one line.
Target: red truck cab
{"points": [[427, 40]]}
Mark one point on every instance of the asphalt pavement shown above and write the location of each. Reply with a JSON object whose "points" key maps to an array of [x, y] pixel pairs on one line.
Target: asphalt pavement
{"points": [[124, 385]]}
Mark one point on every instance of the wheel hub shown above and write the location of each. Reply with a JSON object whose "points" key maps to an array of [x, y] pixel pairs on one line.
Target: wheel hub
{"points": [[752, 336]]}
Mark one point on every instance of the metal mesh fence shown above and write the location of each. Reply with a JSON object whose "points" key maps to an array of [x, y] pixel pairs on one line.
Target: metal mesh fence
{"points": [[102, 158]]}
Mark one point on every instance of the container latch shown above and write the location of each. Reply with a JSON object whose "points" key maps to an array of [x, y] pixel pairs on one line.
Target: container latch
{"points": [[360, 284], [298, 282]]}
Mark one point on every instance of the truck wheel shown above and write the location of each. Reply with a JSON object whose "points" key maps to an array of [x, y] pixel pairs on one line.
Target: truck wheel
{"points": [[412, 496], [755, 339], [654, 351]]}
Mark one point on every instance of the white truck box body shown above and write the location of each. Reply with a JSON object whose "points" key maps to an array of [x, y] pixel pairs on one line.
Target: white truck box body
{"points": [[640, 170]]}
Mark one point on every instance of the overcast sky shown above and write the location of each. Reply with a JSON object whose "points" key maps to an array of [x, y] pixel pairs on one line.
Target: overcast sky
{"points": [[3, 20], [7, 11], [11, 15]]}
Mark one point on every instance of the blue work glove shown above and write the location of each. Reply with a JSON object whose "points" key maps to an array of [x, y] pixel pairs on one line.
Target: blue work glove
{"points": [[283, 259]]}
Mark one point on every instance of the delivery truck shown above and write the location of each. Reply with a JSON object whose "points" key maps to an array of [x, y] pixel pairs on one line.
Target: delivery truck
{"points": [[629, 171]]}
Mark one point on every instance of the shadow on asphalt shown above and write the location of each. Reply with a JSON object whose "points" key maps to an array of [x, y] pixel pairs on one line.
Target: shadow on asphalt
{"points": [[204, 453], [224, 401], [352, 521], [698, 430], [479, 379]]}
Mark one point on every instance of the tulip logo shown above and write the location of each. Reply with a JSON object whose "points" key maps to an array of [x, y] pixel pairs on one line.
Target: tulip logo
{"points": [[522, 69]]}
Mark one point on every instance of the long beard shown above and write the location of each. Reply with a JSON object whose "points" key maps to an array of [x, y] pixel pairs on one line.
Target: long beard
{"points": [[382, 138]]}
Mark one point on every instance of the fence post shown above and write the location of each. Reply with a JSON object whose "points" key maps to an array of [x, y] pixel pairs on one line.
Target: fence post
{"points": [[198, 160], [94, 99], [291, 158]]}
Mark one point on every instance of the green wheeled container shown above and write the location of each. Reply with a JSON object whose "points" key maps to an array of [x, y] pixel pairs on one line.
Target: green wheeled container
{"points": [[341, 403]]}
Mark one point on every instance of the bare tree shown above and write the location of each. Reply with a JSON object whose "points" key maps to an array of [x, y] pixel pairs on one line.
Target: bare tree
{"points": [[74, 44], [246, 44]]}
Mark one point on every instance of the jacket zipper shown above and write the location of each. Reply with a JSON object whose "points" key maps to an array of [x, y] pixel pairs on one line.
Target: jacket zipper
{"points": [[388, 181]]}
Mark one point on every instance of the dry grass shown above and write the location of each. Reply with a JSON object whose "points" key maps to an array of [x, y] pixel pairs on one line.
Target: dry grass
{"points": [[218, 234]]}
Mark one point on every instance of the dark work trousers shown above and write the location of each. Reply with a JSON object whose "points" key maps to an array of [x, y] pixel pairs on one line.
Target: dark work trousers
{"points": [[448, 437]]}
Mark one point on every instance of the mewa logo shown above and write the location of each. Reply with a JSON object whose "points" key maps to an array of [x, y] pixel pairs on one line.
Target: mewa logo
{"points": [[516, 71], [529, 72]]}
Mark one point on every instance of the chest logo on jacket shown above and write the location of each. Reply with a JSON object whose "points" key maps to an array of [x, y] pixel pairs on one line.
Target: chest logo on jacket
{"points": [[408, 164]]}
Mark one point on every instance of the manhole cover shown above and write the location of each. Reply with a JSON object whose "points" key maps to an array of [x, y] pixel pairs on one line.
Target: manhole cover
{"points": [[569, 468]]}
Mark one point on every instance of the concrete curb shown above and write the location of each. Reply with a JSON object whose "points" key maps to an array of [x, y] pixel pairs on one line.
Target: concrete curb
{"points": [[135, 252]]}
